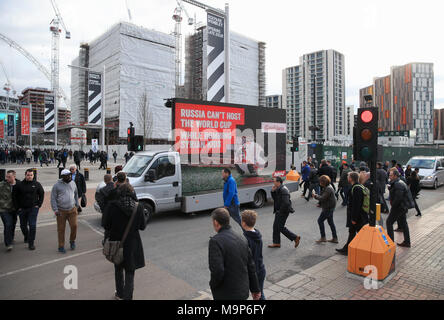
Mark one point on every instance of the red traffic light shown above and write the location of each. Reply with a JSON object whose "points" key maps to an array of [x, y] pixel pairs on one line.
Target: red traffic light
{"points": [[367, 116]]}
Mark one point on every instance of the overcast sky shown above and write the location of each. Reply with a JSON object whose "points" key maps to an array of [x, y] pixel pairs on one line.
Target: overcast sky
{"points": [[373, 35]]}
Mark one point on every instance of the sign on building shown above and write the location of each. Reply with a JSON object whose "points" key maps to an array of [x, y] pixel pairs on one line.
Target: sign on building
{"points": [[11, 127], [95, 145], [25, 121], [95, 98], [78, 137], [49, 114], [2, 129], [216, 58]]}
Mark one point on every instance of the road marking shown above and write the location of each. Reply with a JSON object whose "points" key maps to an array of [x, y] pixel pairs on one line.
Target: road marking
{"points": [[47, 263], [96, 230]]}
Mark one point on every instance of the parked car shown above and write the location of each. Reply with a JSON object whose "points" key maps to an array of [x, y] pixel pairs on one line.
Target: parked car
{"points": [[431, 170]]}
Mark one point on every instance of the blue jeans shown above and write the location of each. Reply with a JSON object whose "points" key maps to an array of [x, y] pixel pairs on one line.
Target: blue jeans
{"points": [[28, 217], [9, 221], [327, 215], [234, 211]]}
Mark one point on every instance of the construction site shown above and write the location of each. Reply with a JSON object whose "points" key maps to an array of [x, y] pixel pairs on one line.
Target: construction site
{"points": [[138, 69]]}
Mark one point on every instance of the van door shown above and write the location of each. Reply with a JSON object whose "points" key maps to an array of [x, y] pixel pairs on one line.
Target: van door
{"points": [[166, 187], [440, 173]]}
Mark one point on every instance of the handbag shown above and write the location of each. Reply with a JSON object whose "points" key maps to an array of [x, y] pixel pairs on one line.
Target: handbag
{"points": [[83, 201], [113, 250]]}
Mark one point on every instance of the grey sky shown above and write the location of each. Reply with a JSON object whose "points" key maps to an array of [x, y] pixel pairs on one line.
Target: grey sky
{"points": [[373, 35]]}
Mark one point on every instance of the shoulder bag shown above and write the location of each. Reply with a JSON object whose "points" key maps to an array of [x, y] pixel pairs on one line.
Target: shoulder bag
{"points": [[113, 250]]}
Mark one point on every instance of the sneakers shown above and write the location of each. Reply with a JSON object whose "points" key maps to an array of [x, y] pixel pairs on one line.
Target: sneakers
{"points": [[116, 297], [334, 240], [62, 250], [9, 248], [296, 241], [31, 247], [404, 244], [342, 251], [73, 245], [322, 240], [274, 246]]}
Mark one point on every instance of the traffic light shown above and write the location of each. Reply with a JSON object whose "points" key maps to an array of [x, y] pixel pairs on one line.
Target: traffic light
{"points": [[295, 147], [131, 142], [365, 144], [138, 143]]}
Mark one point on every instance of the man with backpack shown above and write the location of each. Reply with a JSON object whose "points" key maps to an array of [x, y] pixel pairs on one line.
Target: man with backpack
{"points": [[400, 197], [358, 208]]}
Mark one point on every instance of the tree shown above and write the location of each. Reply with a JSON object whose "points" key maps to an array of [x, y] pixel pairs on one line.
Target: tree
{"points": [[145, 117]]}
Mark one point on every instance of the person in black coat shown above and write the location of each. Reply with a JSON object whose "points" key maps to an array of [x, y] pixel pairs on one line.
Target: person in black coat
{"points": [[326, 170], [414, 186], [255, 243], [356, 216], [381, 182], [233, 272], [79, 180], [313, 180], [117, 217]]}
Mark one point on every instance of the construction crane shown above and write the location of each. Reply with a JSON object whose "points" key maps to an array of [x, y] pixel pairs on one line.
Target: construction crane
{"points": [[29, 56], [55, 59], [178, 34], [8, 85], [129, 11]]}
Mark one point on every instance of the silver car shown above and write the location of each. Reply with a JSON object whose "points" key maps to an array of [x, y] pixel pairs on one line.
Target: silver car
{"points": [[431, 170]]}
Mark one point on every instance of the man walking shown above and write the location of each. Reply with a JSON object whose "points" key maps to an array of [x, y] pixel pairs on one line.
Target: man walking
{"points": [[7, 208], [344, 185], [231, 200], [77, 159], [115, 156], [356, 216], [381, 182], [305, 177], [313, 179], [282, 208], [64, 203], [28, 196], [399, 209], [233, 272], [327, 201]]}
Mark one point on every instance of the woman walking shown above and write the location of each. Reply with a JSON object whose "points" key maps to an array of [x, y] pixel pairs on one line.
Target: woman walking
{"points": [[118, 216], [327, 201], [413, 183]]}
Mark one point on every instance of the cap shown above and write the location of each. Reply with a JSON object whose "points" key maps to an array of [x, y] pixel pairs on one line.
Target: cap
{"points": [[65, 172]]}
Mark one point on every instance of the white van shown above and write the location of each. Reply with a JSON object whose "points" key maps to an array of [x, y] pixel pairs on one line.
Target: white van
{"points": [[431, 170]]}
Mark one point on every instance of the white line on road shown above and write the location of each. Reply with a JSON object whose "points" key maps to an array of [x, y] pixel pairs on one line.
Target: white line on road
{"points": [[48, 262], [96, 230]]}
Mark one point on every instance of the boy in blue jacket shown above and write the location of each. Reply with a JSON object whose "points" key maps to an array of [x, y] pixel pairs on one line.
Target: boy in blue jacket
{"points": [[254, 238], [231, 200]]}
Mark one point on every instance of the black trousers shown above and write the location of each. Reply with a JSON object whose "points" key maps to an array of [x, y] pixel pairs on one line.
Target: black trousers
{"points": [[352, 232], [279, 227], [124, 282], [401, 217]]}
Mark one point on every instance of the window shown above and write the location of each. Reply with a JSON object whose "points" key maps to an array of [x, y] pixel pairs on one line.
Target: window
{"points": [[165, 167]]}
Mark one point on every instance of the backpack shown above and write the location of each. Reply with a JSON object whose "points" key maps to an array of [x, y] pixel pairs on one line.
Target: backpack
{"points": [[366, 202]]}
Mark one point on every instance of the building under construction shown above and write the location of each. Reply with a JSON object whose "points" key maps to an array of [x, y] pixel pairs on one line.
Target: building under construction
{"points": [[247, 68]]}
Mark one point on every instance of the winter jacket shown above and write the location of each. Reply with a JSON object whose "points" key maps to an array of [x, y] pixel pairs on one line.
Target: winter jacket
{"points": [[354, 208], [381, 180], [28, 194], [414, 185], [327, 200], [325, 170], [64, 196], [233, 272], [343, 181], [6, 200], [305, 173], [313, 178], [282, 203], [254, 239], [398, 195], [230, 192], [79, 180], [117, 216], [102, 196]]}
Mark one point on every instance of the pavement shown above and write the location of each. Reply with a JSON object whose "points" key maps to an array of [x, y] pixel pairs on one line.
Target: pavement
{"points": [[176, 253]]}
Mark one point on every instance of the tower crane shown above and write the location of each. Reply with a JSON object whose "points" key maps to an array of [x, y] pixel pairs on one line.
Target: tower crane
{"points": [[8, 85], [178, 34], [55, 25]]}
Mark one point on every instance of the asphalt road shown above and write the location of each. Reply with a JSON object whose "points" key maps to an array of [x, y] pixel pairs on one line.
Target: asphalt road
{"points": [[176, 250]]}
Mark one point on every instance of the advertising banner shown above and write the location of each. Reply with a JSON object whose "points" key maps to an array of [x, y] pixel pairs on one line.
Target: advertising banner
{"points": [[11, 126], [2, 129], [216, 58], [209, 136], [25, 122], [78, 137], [49, 114], [95, 145], [95, 98]]}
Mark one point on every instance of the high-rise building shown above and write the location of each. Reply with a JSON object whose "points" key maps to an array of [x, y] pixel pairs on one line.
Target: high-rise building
{"points": [[313, 94], [405, 100], [438, 124], [138, 61], [35, 97], [247, 68], [274, 101]]}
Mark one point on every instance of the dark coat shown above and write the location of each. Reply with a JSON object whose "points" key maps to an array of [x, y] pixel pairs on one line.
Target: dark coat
{"points": [[313, 178], [233, 272], [117, 216], [398, 196], [414, 185], [327, 200], [343, 181], [80, 183], [381, 180], [255, 243], [28, 194], [282, 203], [103, 196], [354, 207], [325, 170]]}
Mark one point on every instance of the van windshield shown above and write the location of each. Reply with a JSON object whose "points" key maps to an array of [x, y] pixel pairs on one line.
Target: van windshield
{"points": [[136, 165], [422, 163]]}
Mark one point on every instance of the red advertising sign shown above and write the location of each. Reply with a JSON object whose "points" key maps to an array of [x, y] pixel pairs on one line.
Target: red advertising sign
{"points": [[2, 129], [25, 120], [206, 128]]}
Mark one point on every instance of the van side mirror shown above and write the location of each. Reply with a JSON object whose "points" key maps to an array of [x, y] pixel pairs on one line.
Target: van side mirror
{"points": [[151, 176]]}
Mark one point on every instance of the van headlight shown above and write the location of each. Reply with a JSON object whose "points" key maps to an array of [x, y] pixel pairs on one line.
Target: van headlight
{"points": [[429, 178]]}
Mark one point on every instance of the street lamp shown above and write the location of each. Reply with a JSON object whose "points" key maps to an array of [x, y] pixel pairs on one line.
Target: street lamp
{"points": [[103, 96]]}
